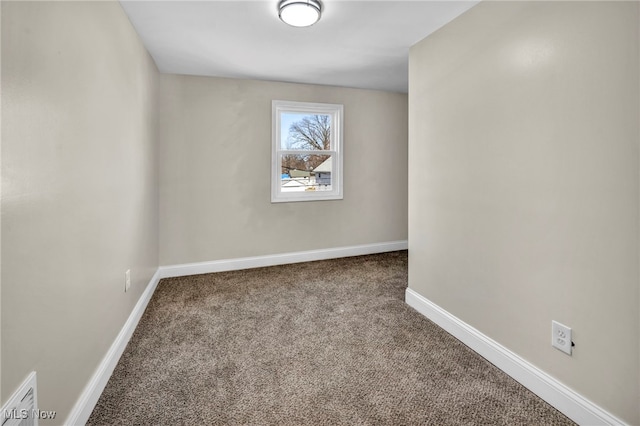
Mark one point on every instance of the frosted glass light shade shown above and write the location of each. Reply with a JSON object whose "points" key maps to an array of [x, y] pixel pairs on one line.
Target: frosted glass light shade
{"points": [[300, 13]]}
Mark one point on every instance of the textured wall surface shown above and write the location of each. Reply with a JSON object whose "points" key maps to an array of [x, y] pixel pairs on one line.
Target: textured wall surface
{"points": [[215, 165], [523, 184], [79, 190]]}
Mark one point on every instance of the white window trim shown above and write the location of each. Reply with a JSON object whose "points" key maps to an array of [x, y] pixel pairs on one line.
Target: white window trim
{"points": [[336, 113]]}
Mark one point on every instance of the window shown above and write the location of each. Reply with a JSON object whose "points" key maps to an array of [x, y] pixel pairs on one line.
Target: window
{"points": [[306, 160]]}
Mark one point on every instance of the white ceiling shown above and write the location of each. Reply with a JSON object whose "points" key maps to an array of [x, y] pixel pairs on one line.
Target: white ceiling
{"points": [[356, 43]]}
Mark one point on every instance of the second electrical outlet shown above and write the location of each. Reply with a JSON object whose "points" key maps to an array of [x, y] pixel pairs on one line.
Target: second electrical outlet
{"points": [[561, 337]]}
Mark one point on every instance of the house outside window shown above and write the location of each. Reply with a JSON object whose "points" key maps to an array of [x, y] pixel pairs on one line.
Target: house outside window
{"points": [[306, 151]]}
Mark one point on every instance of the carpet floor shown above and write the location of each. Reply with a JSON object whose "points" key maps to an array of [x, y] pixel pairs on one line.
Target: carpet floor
{"points": [[329, 342]]}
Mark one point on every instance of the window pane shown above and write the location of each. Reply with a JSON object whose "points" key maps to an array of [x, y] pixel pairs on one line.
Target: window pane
{"points": [[305, 131], [306, 149], [306, 172]]}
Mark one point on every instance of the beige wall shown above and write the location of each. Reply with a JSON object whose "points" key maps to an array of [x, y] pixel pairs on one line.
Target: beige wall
{"points": [[523, 184], [79, 190], [2, 397], [215, 162]]}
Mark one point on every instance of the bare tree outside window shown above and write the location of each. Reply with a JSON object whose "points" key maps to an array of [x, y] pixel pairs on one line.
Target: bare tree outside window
{"points": [[313, 133]]}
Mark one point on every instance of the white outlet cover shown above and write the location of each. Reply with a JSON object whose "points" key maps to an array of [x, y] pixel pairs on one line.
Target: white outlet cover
{"points": [[561, 337]]}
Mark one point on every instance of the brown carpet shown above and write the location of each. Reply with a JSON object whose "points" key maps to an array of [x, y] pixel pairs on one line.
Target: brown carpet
{"points": [[328, 342]]}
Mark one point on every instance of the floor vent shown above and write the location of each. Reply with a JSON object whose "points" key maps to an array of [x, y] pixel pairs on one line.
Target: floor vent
{"points": [[22, 407]]}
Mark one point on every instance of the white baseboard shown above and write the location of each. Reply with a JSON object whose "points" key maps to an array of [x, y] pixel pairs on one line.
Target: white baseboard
{"points": [[277, 259], [88, 399], [567, 401]]}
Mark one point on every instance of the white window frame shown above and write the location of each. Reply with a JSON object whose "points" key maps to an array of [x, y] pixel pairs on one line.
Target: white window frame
{"points": [[336, 113]]}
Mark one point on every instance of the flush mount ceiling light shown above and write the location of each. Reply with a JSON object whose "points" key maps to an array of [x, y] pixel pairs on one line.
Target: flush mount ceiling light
{"points": [[300, 13]]}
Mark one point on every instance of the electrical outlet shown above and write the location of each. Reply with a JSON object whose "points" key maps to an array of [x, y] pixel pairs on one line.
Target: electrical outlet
{"points": [[127, 280], [561, 337]]}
